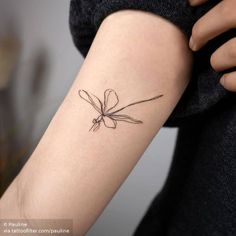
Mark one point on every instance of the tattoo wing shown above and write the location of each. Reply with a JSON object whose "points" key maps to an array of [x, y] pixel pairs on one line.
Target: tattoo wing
{"points": [[110, 100], [109, 122], [92, 99], [125, 118]]}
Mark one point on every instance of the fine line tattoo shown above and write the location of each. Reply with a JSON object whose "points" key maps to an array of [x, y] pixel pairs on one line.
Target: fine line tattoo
{"points": [[108, 117]]}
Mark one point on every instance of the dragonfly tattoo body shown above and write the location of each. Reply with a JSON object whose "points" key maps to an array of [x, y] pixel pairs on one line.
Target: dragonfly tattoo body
{"points": [[106, 116]]}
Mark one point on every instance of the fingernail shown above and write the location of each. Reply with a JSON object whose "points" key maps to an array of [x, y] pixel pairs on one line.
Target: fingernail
{"points": [[222, 80], [192, 45], [193, 3]]}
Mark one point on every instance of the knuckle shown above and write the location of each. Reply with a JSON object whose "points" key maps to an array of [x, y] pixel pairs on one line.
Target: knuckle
{"points": [[227, 11], [232, 49]]}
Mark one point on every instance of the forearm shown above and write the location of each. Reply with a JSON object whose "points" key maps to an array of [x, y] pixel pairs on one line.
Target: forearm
{"points": [[74, 172]]}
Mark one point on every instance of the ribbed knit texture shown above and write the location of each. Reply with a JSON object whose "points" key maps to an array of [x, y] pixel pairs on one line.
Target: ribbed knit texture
{"points": [[199, 196]]}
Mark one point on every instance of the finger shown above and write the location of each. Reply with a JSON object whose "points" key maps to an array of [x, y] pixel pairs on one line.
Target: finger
{"points": [[228, 81], [196, 2], [225, 56], [218, 20]]}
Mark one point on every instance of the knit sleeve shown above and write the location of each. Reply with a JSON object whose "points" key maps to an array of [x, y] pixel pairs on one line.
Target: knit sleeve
{"points": [[87, 15], [204, 90]]}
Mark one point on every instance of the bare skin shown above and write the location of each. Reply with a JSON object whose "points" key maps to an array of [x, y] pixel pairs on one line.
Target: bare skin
{"points": [[73, 172], [218, 20]]}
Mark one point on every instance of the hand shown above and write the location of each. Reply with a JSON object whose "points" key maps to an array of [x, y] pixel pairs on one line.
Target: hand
{"points": [[219, 19]]}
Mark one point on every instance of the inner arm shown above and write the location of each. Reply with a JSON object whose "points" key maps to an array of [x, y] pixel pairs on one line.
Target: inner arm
{"points": [[73, 172]]}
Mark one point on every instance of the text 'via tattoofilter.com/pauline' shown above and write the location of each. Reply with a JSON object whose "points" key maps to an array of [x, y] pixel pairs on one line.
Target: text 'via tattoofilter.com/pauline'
{"points": [[62, 227]]}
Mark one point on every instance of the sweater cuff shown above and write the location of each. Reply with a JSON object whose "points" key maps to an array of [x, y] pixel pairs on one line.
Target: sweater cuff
{"points": [[179, 13]]}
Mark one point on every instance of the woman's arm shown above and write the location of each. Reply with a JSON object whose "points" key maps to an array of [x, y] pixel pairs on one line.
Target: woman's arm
{"points": [[73, 172]]}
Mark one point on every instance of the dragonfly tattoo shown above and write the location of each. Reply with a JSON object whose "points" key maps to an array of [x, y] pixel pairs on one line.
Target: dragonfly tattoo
{"points": [[107, 115]]}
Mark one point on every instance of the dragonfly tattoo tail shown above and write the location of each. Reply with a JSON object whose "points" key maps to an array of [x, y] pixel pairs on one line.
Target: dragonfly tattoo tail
{"points": [[106, 116]]}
